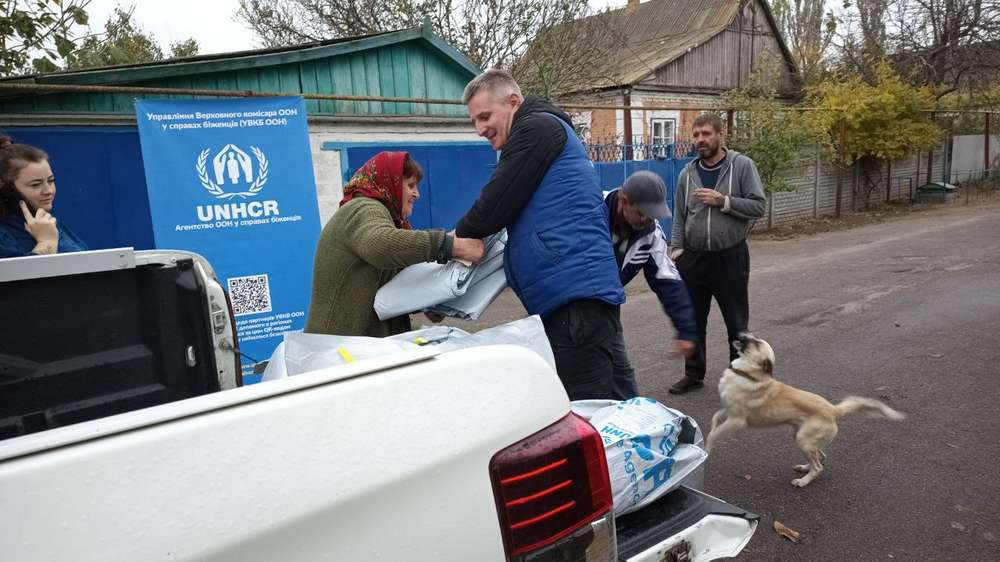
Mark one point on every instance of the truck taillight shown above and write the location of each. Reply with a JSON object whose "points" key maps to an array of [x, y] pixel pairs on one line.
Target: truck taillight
{"points": [[550, 486]]}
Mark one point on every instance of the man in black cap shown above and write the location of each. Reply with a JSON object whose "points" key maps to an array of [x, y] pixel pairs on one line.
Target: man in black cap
{"points": [[640, 244]]}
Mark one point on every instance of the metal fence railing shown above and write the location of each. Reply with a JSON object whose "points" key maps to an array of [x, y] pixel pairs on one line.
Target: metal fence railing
{"points": [[639, 151], [973, 185]]}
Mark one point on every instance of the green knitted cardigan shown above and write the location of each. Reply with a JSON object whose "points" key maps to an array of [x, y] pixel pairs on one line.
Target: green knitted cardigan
{"points": [[360, 250]]}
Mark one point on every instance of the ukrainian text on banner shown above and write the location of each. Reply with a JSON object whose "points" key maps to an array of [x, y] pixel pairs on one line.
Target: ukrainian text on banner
{"points": [[233, 181]]}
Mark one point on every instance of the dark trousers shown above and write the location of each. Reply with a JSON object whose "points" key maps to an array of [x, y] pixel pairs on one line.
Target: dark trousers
{"points": [[724, 275], [623, 383], [582, 335]]}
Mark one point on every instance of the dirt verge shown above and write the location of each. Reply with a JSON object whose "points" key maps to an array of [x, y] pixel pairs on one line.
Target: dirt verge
{"points": [[884, 213]]}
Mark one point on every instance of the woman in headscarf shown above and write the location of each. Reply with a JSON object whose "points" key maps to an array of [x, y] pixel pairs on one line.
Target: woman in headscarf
{"points": [[367, 242]]}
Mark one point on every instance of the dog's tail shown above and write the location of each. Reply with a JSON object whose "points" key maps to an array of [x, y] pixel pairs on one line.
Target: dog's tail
{"points": [[873, 408]]}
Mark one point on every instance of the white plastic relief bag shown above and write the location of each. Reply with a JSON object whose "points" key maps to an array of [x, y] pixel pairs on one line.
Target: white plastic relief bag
{"points": [[300, 352], [474, 302], [426, 285], [651, 449]]}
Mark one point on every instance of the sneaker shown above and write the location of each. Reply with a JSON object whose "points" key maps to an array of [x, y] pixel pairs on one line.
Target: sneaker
{"points": [[685, 384]]}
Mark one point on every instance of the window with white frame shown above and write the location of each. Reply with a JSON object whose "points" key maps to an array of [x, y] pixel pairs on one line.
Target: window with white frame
{"points": [[664, 131]]}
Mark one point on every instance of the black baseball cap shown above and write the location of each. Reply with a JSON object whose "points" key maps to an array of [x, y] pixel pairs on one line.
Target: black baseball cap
{"points": [[647, 191]]}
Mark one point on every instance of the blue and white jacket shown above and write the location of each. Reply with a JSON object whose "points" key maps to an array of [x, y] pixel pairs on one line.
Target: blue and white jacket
{"points": [[647, 251]]}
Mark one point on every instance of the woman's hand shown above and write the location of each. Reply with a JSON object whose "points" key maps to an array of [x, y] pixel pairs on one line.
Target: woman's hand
{"points": [[42, 227], [468, 249]]}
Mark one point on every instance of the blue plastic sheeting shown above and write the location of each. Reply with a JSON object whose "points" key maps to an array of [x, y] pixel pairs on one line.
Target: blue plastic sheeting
{"points": [[100, 182], [613, 174], [454, 174]]}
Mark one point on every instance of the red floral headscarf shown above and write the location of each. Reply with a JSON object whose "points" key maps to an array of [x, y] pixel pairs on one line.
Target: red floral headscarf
{"points": [[381, 178]]}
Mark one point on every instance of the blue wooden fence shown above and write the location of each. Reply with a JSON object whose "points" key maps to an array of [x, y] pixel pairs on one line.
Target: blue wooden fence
{"points": [[612, 174]]}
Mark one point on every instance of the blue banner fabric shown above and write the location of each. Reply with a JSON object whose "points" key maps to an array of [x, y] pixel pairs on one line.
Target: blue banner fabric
{"points": [[233, 181]]}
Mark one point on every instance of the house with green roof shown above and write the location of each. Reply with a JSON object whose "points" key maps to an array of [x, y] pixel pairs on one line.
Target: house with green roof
{"points": [[89, 129]]}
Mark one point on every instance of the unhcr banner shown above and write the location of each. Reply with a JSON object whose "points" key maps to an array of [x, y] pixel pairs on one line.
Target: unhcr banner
{"points": [[233, 181]]}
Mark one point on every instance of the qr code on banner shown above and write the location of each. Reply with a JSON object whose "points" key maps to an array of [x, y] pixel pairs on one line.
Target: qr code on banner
{"points": [[250, 294]]}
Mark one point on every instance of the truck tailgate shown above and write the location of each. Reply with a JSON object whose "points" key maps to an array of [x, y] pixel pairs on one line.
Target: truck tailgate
{"points": [[684, 525], [389, 465]]}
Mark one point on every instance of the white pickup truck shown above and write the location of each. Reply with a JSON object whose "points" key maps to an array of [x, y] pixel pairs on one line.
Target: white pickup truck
{"points": [[127, 436]]}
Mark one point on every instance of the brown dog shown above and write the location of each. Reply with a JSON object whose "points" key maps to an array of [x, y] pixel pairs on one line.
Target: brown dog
{"points": [[752, 398]]}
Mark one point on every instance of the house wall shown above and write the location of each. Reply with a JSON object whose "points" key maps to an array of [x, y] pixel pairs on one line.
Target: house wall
{"points": [[725, 61], [607, 126], [685, 117]]}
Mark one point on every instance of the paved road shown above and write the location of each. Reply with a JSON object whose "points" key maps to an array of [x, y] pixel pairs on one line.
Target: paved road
{"points": [[907, 312]]}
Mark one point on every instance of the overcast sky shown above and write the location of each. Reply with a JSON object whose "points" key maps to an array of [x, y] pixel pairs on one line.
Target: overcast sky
{"points": [[208, 21]]}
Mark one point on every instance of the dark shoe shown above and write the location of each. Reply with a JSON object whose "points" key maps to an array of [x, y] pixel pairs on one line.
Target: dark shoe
{"points": [[684, 385]]}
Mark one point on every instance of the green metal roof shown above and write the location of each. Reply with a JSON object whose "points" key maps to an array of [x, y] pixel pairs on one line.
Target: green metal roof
{"points": [[412, 63]]}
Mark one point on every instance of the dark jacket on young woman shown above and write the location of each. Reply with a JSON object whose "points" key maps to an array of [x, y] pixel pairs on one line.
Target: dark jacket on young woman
{"points": [[16, 241]]}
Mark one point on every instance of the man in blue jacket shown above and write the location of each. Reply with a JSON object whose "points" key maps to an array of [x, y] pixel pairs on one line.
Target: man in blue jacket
{"points": [[559, 260], [640, 245]]}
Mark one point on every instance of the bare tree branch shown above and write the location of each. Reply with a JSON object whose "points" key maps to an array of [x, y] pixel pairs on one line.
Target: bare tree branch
{"points": [[808, 31], [489, 32], [949, 44]]}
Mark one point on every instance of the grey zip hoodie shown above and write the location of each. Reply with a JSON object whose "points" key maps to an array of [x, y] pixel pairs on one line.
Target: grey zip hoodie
{"points": [[704, 228]]}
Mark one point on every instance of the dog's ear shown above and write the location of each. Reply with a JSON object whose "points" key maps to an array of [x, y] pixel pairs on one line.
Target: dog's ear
{"points": [[767, 366]]}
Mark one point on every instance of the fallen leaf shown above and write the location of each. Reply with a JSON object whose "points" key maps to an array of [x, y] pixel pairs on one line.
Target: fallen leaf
{"points": [[747, 477], [789, 534]]}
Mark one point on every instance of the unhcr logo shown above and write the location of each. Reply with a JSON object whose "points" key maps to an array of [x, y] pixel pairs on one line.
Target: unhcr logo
{"points": [[234, 165], [232, 174]]}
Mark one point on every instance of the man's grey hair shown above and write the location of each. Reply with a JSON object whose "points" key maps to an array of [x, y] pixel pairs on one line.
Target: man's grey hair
{"points": [[498, 82]]}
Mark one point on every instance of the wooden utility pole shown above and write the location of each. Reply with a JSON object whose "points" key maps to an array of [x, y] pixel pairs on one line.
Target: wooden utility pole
{"points": [[930, 158], [986, 148], [888, 188], [842, 149], [627, 115]]}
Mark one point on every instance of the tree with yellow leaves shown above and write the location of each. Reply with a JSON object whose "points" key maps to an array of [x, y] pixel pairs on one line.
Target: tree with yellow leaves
{"points": [[871, 123]]}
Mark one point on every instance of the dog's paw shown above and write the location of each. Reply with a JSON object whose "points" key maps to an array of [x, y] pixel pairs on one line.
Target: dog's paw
{"points": [[800, 482], [803, 468]]}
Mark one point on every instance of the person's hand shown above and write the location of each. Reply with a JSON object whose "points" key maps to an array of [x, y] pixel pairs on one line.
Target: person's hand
{"points": [[676, 253], [710, 197], [683, 348], [468, 249], [435, 317], [42, 227]]}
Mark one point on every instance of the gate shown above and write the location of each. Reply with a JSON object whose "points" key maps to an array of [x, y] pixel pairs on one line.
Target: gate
{"points": [[615, 162]]}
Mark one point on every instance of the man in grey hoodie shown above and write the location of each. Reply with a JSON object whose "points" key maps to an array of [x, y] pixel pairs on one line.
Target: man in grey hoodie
{"points": [[717, 196]]}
